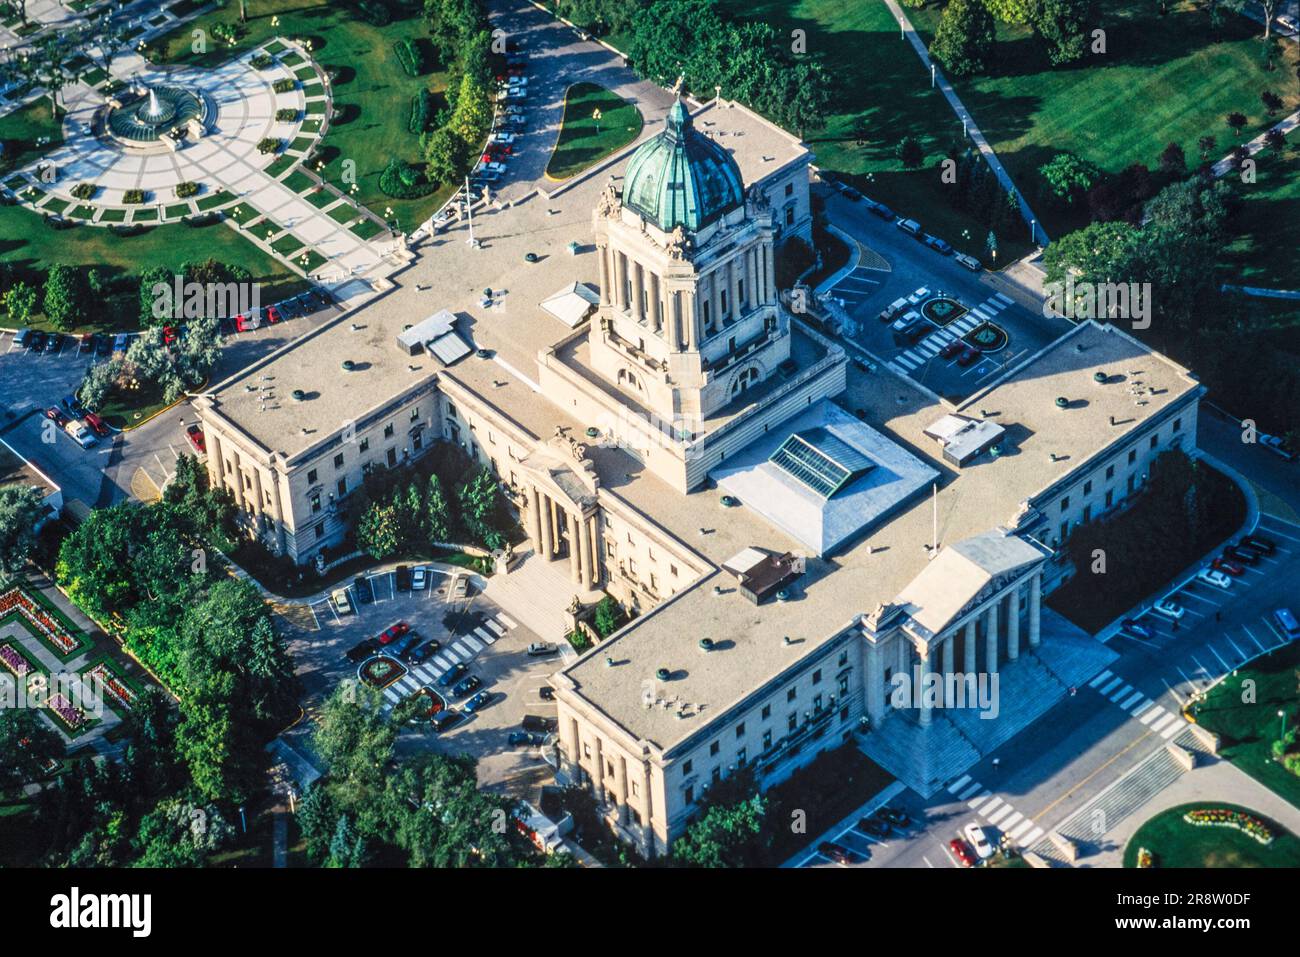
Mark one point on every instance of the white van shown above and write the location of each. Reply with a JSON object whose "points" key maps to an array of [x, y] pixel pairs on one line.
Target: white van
{"points": [[905, 320], [892, 309], [909, 226], [80, 434], [970, 262]]}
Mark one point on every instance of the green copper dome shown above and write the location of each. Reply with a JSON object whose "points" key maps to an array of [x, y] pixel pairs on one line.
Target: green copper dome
{"points": [[681, 177]]}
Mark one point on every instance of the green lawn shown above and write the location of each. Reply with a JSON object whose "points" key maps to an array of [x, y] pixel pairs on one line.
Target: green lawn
{"points": [[1163, 79], [1247, 730], [372, 92], [123, 410], [32, 246], [583, 140], [879, 79], [20, 130], [1177, 844], [1264, 252]]}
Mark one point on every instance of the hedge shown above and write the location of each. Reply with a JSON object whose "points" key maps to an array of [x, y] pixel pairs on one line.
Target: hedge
{"points": [[421, 112], [403, 181], [409, 55]]}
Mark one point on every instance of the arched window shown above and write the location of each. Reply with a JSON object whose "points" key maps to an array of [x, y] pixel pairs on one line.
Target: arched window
{"points": [[744, 380]]}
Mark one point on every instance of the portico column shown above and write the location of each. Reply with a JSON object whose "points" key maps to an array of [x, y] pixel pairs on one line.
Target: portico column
{"points": [[575, 558], [969, 646], [991, 639], [593, 529], [875, 684], [279, 511], [215, 460], [534, 518], [1013, 624], [770, 270], [689, 318], [638, 293], [602, 252], [675, 319], [1035, 600], [584, 554], [647, 832], [598, 769], [923, 669], [544, 517], [620, 788], [947, 670], [656, 306], [751, 291], [620, 280]]}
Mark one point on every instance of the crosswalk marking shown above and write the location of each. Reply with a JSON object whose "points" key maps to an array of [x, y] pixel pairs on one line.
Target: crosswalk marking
{"points": [[442, 662], [1003, 298], [1111, 685], [1009, 822], [974, 803], [1152, 714], [451, 656], [485, 636], [474, 645], [1000, 814], [1141, 708], [1127, 689], [991, 805], [1128, 703], [966, 794], [495, 627], [1164, 720], [1174, 728], [896, 367], [1032, 837], [461, 650], [1099, 679], [957, 785]]}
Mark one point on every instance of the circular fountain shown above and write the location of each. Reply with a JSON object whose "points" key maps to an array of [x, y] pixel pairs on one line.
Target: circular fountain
{"points": [[152, 113]]}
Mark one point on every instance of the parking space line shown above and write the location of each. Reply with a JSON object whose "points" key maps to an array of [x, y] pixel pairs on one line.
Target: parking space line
{"points": [[1281, 638], [1226, 666], [1244, 656], [1184, 674], [1252, 637], [1200, 667]]}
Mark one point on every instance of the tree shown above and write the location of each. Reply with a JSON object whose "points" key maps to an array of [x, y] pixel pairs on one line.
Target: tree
{"points": [[446, 156], [355, 739], [1172, 160], [1066, 177], [178, 833], [27, 744], [731, 830], [1060, 25], [65, 296], [1275, 140], [1010, 11], [378, 530], [21, 507], [608, 616], [1272, 102], [964, 38], [1267, 9], [99, 380], [1206, 145], [438, 512], [479, 498], [1236, 122], [909, 151], [317, 818], [20, 303]]}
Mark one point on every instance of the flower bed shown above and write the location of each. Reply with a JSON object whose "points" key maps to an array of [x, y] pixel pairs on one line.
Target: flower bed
{"points": [[116, 686], [380, 672], [1222, 817], [15, 662], [42, 622], [1146, 858], [73, 718], [427, 704]]}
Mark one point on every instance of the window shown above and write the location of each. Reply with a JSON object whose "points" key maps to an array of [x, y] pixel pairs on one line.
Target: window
{"points": [[338, 461], [320, 530], [713, 748], [689, 794], [844, 684], [1087, 514], [766, 712], [817, 677], [451, 410], [388, 431], [1154, 439], [722, 301], [1130, 484], [343, 487], [1065, 503], [1087, 487], [1065, 530], [767, 740], [1132, 456], [1178, 425], [844, 658], [741, 756], [1110, 472], [790, 695], [716, 774], [792, 721], [789, 189], [687, 767], [365, 445], [392, 457], [740, 730], [817, 703], [672, 570], [315, 502], [311, 477], [789, 215], [417, 441], [586, 750], [415, 414], [1110, 497]]}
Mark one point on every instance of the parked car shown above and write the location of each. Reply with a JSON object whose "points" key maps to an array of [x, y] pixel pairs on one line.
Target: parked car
{"points": [[453, 674], [170, 334], [55, 415], [53, 342], [978, 839], [1265, 546], [393, 632], [1135, 628], [478, 702], [120, 342], [1285, 619], [546, 693], [406, 648], [289, 308], [96, 424], [941, 246], [952, 349], [905, 320], [1277, 445], [540, 649], [342, 604], [962, 852], [362, 650], [273, 315], [1228, 567], [836, 852], [524, 739], [23, 338], [873, 827], [910, 226], [103, 346], [248, 322], [894, 816], [852, 193], [74, 408], [884, 212], [461, 588], [419, 578], [1215, 578], [535, 722], [1169, 609], [918, 330], [445, 720], [1242, 554], [426, 651], [466, 686], [970, 262], [891, 310], [195, 434], [403, 578], [968, 356], [80, 434], [365, 591], [919, 296]]}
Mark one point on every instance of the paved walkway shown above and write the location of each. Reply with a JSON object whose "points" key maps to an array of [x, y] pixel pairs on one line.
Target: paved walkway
{"points": [[972, 130]]}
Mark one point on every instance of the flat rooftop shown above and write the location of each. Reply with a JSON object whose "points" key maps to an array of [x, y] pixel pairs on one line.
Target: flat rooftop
{"points": [[1045, 443], [16, 470]]}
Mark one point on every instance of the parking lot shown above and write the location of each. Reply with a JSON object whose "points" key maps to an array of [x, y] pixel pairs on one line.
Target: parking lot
{"points": [[490, 644]]}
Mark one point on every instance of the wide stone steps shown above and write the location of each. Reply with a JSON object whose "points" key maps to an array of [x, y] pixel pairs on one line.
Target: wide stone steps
{"points": [[922, 758]]}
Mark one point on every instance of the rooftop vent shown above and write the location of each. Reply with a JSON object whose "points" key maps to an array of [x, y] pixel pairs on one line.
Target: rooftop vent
{"points": [[348, 365], [298, 395], [706, 644], [663, 674], [1062, 402]]}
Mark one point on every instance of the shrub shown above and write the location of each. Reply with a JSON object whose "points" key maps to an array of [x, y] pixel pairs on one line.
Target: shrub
{"points": [[410, 56], [262, 61], [84, 190], [186, 190], [269, 144], [286, 115], [133, 197], [421, 112], [401, 180], [375, 13], [285, 85]]}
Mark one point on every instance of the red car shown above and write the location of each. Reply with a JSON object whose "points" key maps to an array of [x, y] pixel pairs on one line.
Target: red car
{"points": [[273, 314], [195, 435], [169, 335], [96, 423], [247, 323], [967, 356], [1230, 567], [961, 850], [952, 349], [392, 633], [55, 416]]}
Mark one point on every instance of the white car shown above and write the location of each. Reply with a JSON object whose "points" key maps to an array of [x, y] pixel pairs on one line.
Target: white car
{"points": [[342, 604], [539, 649], [922, 293], [419, 578], [502, 138], [979, 840], [1169, 609], [80, 434], [1212, 576], [905, 320]]}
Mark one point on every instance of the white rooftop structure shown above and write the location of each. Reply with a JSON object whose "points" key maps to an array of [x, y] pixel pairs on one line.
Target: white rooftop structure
{"points": [[437, 336], [963, 438], [572, 304]]}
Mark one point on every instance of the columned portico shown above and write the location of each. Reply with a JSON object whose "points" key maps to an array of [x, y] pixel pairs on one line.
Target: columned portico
{"points": [[923, 669], [991, 638], [969, 647], [1013, 624], [1035, 602], [947, 669]]}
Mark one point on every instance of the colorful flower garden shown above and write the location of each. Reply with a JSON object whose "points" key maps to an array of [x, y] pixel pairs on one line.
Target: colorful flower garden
{"points": [[120, 690], [1211, 835], [380, 672], [45, 623]]}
